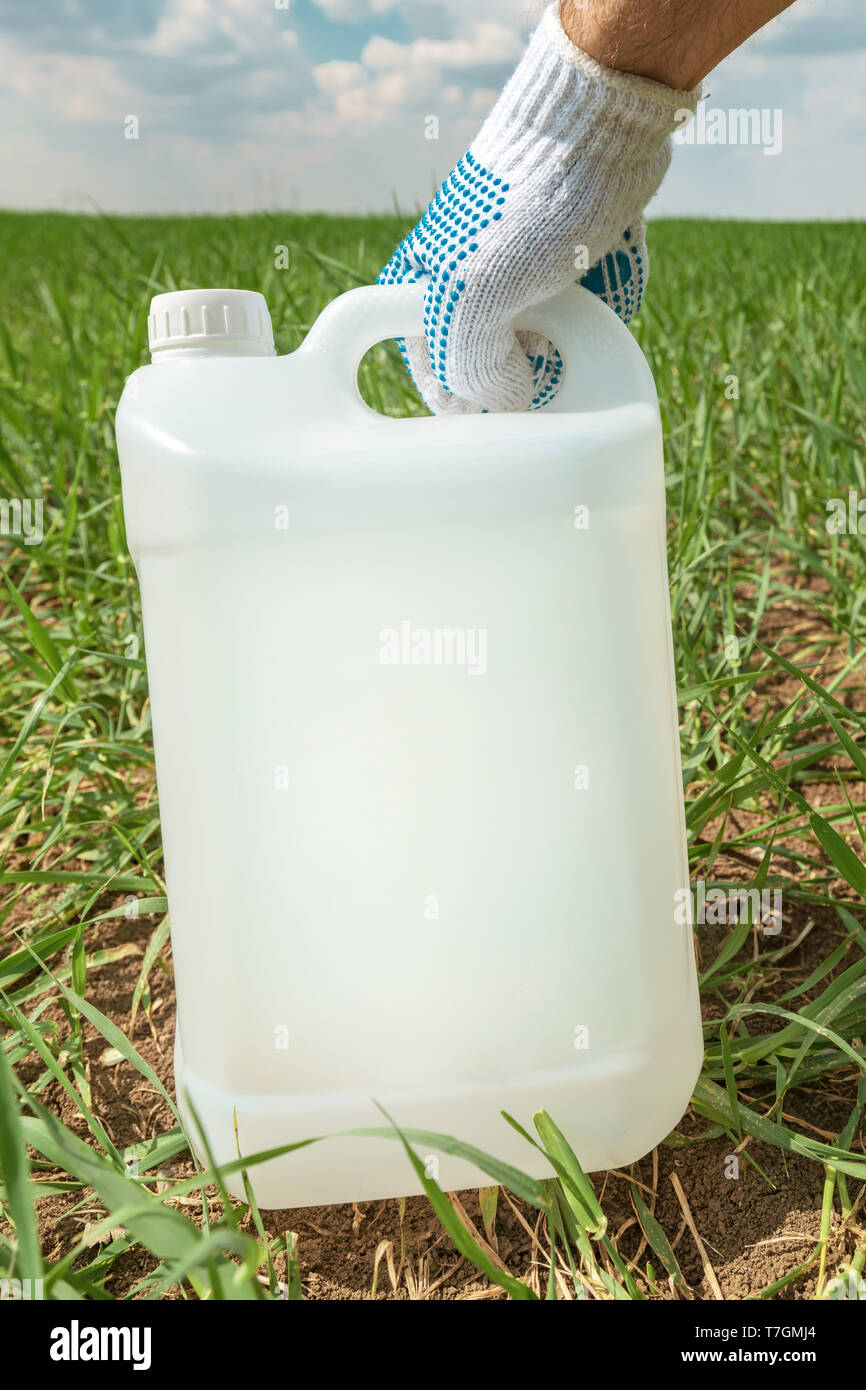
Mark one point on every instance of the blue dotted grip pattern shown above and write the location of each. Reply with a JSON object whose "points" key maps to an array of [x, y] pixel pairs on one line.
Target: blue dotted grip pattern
{"points": [[440, 247]]}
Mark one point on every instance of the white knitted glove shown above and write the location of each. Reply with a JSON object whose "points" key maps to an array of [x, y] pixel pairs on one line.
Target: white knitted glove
{"points": [[569, 156]]}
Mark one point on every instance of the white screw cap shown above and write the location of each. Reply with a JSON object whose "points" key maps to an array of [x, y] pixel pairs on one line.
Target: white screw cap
{"points": [[227, 323]]}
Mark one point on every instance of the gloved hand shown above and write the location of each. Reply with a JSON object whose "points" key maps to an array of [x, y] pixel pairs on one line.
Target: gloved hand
{"points": [[569, 156]]}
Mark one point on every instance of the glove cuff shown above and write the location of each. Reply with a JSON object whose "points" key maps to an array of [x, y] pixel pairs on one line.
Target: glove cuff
{"points": [[558, 94], [656, 98]]}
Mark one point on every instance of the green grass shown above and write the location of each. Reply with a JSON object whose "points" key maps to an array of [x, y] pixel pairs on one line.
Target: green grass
{"points": [[751, 332]]}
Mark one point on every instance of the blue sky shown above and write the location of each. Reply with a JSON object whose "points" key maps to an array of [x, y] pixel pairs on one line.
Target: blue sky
{"points": [[327, 104]]}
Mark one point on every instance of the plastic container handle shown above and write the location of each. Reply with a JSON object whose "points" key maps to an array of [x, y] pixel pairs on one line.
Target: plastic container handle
{"points": [[603, 366]]}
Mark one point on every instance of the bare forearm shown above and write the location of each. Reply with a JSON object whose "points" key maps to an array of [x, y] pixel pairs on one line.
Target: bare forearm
{"points": [[673, 41]]}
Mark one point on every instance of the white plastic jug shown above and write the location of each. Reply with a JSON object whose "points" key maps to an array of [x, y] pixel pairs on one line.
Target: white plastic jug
{"points": [[416, 747]]}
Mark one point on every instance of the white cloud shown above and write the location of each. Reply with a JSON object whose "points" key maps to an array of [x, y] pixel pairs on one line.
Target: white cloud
{"points": [[360, 109], [482, 99], [361, 101], [75, 87], [395, 76], [354, 10], [187, 27], [489, 43], [338, 76], [230, 102]]}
